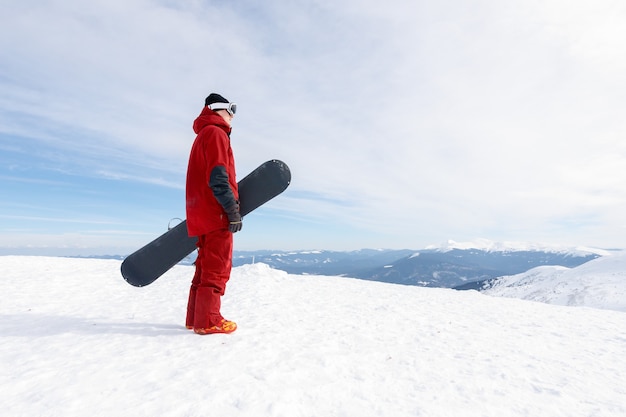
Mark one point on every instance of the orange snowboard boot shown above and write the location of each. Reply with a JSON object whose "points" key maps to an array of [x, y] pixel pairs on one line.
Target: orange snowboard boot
{"points": [[225, 326]]}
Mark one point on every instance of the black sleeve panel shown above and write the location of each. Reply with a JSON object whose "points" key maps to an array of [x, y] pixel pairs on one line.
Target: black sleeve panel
{"points": [[218, 182]]}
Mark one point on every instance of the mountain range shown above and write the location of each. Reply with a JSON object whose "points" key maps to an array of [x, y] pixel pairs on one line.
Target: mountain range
{"points": [[451, 265]]}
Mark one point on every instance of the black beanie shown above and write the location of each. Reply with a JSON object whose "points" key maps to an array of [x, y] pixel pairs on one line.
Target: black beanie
{"points": [[214, 98]]}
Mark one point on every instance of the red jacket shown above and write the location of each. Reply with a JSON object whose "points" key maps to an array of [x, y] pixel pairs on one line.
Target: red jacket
{"points": [[211, 180]]}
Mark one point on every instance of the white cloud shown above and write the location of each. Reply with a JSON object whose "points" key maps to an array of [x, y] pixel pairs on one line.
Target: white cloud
{"points": [[417, 119]]}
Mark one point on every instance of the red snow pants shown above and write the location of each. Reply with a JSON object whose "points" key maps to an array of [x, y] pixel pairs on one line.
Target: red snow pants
{"points": [[213, 265]]}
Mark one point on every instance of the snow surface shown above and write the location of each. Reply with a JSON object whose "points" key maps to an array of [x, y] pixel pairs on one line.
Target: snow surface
{"points": [[600, 283], [76, 340]]}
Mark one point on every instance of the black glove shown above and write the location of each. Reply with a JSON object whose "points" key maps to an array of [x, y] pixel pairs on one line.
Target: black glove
{"points": [[234, 218]]}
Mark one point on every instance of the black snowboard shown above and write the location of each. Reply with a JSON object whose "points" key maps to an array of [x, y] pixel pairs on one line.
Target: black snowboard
{"points": [[147, 264]]}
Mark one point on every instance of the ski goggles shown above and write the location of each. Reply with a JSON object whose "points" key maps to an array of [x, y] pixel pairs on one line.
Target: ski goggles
{"points": [[231, 108]]}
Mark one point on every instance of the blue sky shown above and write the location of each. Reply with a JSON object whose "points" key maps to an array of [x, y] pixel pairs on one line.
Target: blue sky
{"points": [[405, 124]]}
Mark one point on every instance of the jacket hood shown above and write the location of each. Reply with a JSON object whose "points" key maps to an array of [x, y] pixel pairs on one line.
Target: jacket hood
{"points": [[208, 117]]}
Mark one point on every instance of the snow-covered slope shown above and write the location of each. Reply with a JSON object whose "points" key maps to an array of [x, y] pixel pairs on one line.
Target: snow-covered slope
{"points": [[76, 340], [600, 283]]}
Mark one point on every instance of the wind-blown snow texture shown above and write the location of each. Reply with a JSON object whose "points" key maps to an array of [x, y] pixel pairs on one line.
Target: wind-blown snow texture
{"points": [[76, 340]]}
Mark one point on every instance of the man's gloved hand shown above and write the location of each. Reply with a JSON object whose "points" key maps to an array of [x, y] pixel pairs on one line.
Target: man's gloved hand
{"points": [[234, 218]]}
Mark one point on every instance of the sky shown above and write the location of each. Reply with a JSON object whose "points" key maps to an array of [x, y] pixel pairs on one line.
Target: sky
{"points": [[405, 124]]}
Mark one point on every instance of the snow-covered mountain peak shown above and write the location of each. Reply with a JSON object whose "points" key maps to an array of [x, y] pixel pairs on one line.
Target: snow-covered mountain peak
{"points": [[515, 246], [600, 283]]}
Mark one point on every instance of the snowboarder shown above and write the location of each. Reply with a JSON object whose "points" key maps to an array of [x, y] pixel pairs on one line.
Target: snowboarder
{"points": [[212, 201]]}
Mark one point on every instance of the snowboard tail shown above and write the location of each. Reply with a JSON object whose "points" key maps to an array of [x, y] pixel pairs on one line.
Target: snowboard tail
{"points": [[148, 263]]}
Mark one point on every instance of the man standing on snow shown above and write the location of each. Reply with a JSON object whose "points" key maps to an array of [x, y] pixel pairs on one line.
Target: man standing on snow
{"points": [[212, 214]]}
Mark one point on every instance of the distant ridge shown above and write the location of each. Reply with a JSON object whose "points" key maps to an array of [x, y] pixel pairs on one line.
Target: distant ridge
{"points": [[459, 265], [514, 246]]}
